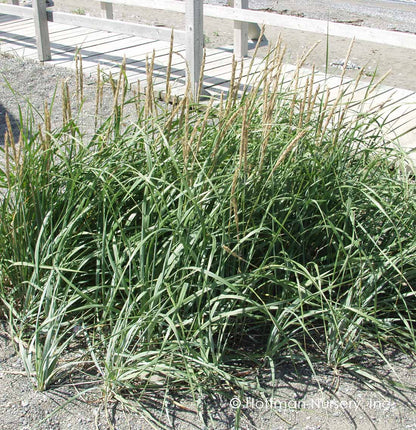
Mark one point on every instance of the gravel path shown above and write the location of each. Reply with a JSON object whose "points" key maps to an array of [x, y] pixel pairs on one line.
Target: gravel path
{"points": [[297, 400], [34, 84]]}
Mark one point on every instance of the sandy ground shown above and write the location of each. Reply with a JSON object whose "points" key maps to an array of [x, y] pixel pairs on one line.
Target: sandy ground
{"points": [[295, 400], [375, 58]]}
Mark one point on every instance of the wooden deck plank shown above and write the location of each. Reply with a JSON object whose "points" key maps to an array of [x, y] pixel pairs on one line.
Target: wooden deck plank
{"points": [[27, 35], [110, 60], [134, 52], [14, 24], [136, 66], [63, 53], [6, 18], [15, 29], [24, 24], [86, 44], [22, 41], [178, 74], [111, 47], [24, 32]]}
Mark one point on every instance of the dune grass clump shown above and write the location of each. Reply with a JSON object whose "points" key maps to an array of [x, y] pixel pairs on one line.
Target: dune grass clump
{"points": [[191, 247]]}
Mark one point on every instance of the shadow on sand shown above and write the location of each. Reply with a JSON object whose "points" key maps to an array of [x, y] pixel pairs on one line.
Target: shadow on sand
{"points": [[3, 126]]}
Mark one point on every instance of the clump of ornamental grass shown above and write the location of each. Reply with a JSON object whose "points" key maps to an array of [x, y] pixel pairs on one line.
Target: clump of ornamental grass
{"points": [[194, 246]]}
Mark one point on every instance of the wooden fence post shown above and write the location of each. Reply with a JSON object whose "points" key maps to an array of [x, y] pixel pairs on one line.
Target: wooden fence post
{"points": [[240, 32], [41, 29], [194, 34], [107, 10]]}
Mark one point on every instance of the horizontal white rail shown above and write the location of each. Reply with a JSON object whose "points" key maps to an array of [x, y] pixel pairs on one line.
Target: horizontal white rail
{"points": [[141, 30], [22, 12], [169, 5], [403, 40], [385, 37]]}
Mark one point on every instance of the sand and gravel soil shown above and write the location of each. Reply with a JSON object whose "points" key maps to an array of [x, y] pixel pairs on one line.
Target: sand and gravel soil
{"points": [[296, 399]]}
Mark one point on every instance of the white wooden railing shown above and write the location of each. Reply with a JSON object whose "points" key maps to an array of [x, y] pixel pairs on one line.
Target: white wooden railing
{"points": [[192, 36]]}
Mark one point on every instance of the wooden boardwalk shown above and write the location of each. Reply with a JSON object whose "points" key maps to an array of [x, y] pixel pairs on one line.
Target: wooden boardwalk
{"points": [[17, 37]]}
